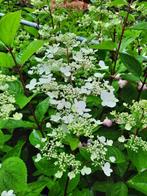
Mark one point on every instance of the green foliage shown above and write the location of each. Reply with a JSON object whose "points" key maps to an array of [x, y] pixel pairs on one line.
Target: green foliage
{"points": [[74, 112], [30, 50], [13, 175], [9, 25]]}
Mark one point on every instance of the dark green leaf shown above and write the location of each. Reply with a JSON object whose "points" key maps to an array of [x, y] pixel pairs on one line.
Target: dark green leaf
{"points": [[132, 64], [41, 109], [139, 182], [119, 189]]}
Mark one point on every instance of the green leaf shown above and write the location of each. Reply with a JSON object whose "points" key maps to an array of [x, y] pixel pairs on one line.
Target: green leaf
{"points": [[13, 175], [30, 50], [9, 25], [114, 151], [6, 60], [132, 64], [105, 45], [22, 100], [16, 150], [102, 186], [73, 183], [2, 139], [140, 26], [12, 124], [139, 159], [72, 141], [118, 3], [41, 109], [35, 137], [119, 189], [139, 182]]}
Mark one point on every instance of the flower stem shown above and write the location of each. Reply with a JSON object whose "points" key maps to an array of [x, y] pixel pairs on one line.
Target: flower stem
{"points": [[121, 37], [66, 186]]}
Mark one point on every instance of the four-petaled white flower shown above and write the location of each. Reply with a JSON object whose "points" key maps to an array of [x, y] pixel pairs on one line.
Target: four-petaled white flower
{"points": [[106, 169], [79, 107], [8, 193], [86, 170], [32, 84], [108, 98], [66, 71]]}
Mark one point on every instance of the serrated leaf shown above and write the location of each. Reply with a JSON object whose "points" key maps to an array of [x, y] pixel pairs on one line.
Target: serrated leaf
{"points": [[9, 25], [6, 60], [139, 182], [132, 64], [33, 47]]}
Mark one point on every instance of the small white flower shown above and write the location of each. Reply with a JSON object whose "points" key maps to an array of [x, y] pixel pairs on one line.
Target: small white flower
{"points": [[108, 99], [79, 107], [43, 139], [71, 175], [59, 174], [128, 127], [17, 116], [37, 146], [38, 157], [109, 142], [106, 169], [32, 84], [99, 75], [122, 139], [102, 139], [112, 159], [48, 125], [55, 117], [63, 104], [45, 79], [85, 170], [8, 193], [102, 65], [68, 119], [66, 71]]}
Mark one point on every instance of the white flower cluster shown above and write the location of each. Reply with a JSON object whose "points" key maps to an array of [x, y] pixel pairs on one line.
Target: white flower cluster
{"points": [[137, 118], [7, 100], [98, 150], [136, 143], [68, 73]]}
